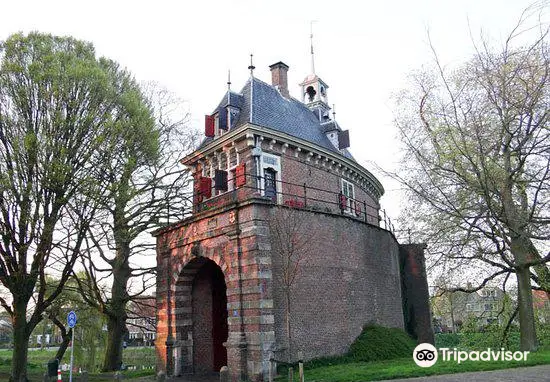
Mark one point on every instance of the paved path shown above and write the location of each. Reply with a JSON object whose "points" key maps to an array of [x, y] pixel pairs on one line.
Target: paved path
{"points": [[527, 374], [213, 377]]}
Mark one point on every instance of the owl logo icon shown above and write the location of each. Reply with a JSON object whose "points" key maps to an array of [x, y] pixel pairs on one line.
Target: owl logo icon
{"points": [[425, 355]]}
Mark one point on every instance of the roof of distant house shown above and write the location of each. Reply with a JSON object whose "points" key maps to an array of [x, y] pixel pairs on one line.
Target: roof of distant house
{"points": [[540, 297]]}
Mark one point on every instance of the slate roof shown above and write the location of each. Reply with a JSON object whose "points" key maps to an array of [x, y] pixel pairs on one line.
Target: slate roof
{"points": [[271, 110]]}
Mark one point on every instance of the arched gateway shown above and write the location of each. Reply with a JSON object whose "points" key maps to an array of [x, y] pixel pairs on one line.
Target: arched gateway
{"points": [[211, 295], [201, 303]]}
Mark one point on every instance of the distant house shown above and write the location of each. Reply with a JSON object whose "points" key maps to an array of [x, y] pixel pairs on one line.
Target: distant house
{"points": [[541, 303], [485, 305], [5, 330], [452, 309], [141, 322]]}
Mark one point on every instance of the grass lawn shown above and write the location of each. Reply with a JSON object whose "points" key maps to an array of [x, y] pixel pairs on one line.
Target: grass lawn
{"points": [[38, 359], [405, 367]]}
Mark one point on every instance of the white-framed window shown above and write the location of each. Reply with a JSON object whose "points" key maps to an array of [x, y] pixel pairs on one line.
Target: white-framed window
{"points": [[232, 163], [217, 131], [349, 193], [222, 161], [206, 169], [271, 176]]}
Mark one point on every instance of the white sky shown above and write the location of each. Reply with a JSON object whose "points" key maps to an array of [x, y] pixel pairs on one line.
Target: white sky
{"points": [[363, 49]]}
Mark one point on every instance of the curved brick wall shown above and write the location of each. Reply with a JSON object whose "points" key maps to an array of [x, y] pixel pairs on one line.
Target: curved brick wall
{"points": [[351, 277]]}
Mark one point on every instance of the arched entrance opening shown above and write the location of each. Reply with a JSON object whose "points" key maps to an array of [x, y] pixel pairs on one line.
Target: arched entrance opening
{"points": [[209, 301], [203, 315]]}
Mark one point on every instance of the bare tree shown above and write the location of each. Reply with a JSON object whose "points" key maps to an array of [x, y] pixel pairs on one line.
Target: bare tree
{"points": [[291, 247], [477, 162], [146, 187]]}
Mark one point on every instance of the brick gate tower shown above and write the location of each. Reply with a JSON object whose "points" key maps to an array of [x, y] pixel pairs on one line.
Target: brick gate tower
{"points": [[285, 252]]}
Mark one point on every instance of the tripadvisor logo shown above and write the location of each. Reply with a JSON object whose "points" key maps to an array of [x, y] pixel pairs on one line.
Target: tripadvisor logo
{"points": [[426, 355]]}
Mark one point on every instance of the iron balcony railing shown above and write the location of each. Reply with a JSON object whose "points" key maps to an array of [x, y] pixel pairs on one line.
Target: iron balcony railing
{"points": [[294, 195]]}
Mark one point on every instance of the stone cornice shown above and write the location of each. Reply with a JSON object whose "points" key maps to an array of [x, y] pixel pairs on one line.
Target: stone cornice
{"points": [[249, 130]]}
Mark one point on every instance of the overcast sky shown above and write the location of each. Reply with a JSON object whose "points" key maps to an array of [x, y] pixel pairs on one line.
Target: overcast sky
{"points": [[363, 49]]}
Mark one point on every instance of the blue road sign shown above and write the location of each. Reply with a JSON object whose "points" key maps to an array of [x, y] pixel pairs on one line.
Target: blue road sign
{"points": [[71, 319]]}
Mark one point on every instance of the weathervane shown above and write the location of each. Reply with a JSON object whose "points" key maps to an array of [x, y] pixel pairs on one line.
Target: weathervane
{"points": [[251, 67], [229, 79]]}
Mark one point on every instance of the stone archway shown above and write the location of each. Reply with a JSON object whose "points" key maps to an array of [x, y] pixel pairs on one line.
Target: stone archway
{"points": [[201, 316]]}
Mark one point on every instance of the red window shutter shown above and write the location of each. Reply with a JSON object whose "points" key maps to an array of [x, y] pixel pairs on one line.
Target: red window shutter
{"points": [[343, 202], [209, 125], [206, 187], [357, 208], [240, 173]]}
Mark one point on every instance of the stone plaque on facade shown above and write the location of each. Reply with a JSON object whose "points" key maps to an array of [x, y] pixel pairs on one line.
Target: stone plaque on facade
{"points": [[212, 223]]}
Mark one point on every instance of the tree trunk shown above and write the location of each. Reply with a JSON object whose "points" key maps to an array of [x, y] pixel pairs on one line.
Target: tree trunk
{"points": [[288, 328], [520, 247], [113, 353], [64, 345], [453, 330], [117, 315], [527, 332], [21, 334]]}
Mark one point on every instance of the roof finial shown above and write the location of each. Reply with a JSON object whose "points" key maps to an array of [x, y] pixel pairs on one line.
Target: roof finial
{"points": [[251, 67], [229, 79], [311, 44], [333, 112]]}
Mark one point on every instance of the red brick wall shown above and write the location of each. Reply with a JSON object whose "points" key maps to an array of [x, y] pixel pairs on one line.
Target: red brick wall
{"points": [[350, 278]]}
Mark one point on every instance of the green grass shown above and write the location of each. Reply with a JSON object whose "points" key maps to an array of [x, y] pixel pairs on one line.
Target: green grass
{"points": [[382, 353], [38, 359], [405, 368]]}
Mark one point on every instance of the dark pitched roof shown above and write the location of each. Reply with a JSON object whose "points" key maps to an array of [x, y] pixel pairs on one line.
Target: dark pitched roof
{"points": [[271, 110]]}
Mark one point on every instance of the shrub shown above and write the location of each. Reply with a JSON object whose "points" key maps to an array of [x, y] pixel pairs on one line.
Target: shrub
{"points": [[380, 343], [374, 343], [490, 338]]}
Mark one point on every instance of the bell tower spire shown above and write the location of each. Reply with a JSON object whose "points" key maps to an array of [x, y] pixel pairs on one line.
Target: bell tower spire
{"points": [[311, 45], [314, 90]]}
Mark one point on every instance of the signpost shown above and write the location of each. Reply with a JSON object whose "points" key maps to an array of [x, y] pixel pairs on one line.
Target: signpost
{"points": [[71, 320]]}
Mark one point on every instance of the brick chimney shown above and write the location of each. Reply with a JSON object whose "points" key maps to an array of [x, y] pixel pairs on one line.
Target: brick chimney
{"points": [[279, 77]]}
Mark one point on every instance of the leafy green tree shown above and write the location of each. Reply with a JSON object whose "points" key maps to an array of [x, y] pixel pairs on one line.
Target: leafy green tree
{"points": [[477, 163], [60, 110]]}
